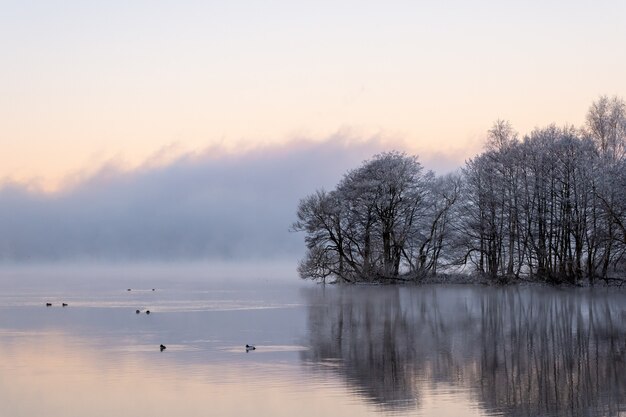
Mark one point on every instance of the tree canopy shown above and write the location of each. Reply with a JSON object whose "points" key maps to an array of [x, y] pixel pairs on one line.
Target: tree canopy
{"points": [[383, 220], [549, 207]]}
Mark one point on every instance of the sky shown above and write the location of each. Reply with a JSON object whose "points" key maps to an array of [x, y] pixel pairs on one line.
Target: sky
{"points": [[146, 87]]}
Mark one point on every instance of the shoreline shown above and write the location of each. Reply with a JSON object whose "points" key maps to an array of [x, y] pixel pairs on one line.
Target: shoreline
{"points": [[459, 279]]}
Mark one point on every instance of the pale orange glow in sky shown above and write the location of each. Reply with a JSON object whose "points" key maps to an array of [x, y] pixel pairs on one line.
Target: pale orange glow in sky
{"points": [[82, 84]]}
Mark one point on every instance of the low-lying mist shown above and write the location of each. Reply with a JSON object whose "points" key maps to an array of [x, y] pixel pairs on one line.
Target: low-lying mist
{"points": [[196, 207]]}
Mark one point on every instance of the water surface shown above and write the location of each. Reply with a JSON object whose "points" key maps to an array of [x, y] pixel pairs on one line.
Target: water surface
{"points": [[431, 350]]}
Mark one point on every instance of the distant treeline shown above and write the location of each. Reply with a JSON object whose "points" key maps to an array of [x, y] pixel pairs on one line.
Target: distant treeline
{"points": [[550, 207]]}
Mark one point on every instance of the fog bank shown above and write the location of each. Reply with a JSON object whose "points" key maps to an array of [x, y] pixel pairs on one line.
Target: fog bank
{"points": [[207, 205]]}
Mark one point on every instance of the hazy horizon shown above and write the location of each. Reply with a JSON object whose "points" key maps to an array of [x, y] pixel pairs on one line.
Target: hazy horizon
{"points": [[197, 206], [208, 205]]}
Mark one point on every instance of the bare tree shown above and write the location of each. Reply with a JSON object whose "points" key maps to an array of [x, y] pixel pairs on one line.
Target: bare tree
{"points": [[363, 233], [549, 207]]}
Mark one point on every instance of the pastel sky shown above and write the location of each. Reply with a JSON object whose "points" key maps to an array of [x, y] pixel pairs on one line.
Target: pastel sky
{"points": [[84, 82]]}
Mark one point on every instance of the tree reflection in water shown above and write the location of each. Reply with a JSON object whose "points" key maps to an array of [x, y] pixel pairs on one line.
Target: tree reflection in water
{"points": [[516, 351]]}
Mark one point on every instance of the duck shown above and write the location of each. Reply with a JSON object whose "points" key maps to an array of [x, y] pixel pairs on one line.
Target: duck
{"points": [[147, 311], [250, 347], [162, 347], [137, 311], [64, 304], [48, 304], [128, 289]]}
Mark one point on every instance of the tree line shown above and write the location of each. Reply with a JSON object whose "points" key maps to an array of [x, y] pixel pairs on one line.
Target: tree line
{"points": [[550, 206]]}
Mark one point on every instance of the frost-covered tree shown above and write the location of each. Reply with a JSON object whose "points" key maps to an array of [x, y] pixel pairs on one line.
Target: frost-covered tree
{"points": [[548, 207], [363, 230], [606, 124], [435, 234]]}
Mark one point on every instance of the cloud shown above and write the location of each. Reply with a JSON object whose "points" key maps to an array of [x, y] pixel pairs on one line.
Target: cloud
{"points": [[207, 205]]}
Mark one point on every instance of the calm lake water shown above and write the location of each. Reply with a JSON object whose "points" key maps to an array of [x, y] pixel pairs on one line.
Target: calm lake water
{"points": [[357, 351]]}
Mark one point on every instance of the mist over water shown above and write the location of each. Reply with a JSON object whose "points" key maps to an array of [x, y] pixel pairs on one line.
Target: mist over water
{"points": [[195, 207], [365, 350]]}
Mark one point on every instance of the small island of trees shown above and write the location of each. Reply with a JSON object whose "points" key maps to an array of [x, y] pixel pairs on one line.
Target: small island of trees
{"points": [[550, 207]]}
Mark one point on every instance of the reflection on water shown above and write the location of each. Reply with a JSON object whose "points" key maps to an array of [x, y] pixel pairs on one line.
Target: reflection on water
{"points": [[517, 352], [357, 351]]}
